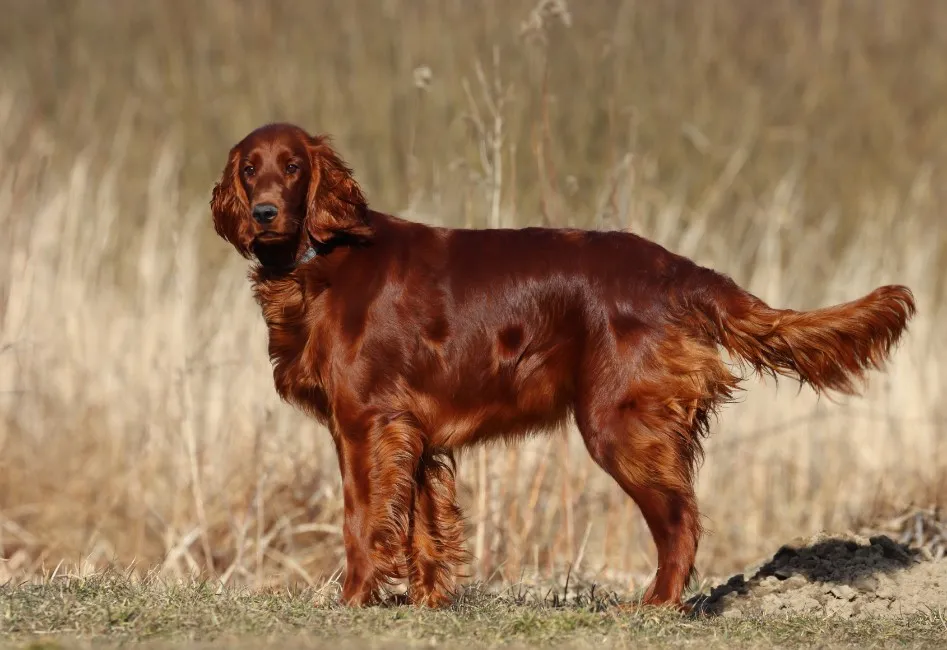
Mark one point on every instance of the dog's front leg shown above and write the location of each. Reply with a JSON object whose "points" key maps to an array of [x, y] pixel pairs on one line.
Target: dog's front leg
{"points": [[437, 533], [379, 463]]}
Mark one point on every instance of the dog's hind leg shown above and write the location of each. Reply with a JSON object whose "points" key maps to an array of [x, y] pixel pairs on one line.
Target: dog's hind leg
{"points": [[650, 467], [641, 411]]}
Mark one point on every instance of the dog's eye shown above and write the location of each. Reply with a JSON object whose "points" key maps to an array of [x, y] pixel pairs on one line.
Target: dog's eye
{"points": [[249, 170], [292, 168]]}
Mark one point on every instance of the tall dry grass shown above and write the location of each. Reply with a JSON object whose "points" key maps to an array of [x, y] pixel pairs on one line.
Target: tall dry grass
{"points": [[798, 147]]}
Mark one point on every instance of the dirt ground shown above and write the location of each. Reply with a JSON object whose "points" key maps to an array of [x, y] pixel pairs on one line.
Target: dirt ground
{"points": [[847, 576]]}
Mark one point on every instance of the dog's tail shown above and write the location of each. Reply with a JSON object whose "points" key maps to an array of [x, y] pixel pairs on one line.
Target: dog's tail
{"points": [[832, 348]]}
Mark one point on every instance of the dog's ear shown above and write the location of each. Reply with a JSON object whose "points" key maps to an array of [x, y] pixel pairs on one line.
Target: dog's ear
{"points": [[335, 203], [230, 207]]}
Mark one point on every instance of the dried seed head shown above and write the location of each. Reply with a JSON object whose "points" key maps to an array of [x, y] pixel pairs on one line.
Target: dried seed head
{"points": [[545, 11], [422, 77]]}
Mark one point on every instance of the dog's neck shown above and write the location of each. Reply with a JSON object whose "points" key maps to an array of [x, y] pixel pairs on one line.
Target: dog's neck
{"points": [[314, 248]]}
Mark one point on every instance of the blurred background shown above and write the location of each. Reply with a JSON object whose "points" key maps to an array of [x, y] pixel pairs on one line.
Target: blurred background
{"points": [[799, 147]]}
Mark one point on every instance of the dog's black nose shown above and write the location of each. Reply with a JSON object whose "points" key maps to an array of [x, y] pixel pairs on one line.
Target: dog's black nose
{"points": [[265, 212]]}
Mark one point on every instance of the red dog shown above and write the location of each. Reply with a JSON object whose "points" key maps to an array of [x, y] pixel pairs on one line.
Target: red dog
{"points": [[409, 341]]}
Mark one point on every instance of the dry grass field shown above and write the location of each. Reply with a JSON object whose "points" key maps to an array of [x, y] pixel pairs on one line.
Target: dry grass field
{"points": [[799, 147]]}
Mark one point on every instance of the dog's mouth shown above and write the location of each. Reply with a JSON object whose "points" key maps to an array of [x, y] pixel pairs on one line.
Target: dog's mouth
{"points": [[274, 249], [269, 237]]}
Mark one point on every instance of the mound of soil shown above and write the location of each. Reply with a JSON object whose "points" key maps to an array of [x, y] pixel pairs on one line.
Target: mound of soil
{"points": [[846, 576]]}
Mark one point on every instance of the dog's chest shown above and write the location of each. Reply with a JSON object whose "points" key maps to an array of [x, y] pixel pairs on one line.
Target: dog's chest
{"points": [[296, 373]]}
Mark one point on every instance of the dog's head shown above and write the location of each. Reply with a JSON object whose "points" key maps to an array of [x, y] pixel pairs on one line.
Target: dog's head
{"points": [[281, 188]]}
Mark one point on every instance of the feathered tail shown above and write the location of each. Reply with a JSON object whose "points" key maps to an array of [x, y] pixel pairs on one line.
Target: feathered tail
{"points": [[832, 348]]}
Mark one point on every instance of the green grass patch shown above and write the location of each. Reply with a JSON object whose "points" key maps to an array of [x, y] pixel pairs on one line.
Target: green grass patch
{"points": [[110, 611]]}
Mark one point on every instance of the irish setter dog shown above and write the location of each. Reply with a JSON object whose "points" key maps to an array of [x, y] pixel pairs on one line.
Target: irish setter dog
{"points": [[409, 342]]}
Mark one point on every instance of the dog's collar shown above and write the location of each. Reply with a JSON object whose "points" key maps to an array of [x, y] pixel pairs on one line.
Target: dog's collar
{"points": [[317, 248], [309, 254]]}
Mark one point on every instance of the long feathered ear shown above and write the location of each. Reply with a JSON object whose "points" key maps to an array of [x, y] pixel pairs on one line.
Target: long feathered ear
{"points": [[335, 201], [230, 207]]}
